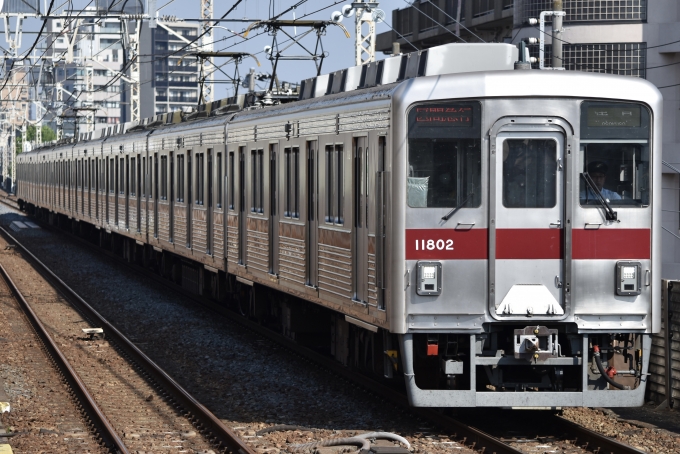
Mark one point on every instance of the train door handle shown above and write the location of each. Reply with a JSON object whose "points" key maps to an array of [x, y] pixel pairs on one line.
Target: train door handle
{"points": [[556, 225]]}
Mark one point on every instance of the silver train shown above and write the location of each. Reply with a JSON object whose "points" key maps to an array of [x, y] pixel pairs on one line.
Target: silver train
{"points": [[492, 238]]}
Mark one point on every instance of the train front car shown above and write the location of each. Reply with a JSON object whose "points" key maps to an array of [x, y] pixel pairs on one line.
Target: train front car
{"points": [[526, 211]]}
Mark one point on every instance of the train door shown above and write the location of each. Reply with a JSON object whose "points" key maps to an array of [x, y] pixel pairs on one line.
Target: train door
{"points": [[273, 209], [242, 220], [209, 211], [360, 255], [312, 234], [526, 241]]}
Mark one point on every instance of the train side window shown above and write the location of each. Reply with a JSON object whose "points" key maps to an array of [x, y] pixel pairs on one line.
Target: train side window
{"points": [[529, 173], [86, 176], [286, 182], [273, 178], [142, 186], [133, 177], [112, 176], [292, 182], [180, 178], [164, 178], [121, 176], [334, 184], [200, 175], [257, 181], [232, 185], [219, 180]]}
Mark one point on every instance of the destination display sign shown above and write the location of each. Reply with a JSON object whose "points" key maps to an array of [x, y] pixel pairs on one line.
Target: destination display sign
{"points": [[614, 117], [439, 115]]}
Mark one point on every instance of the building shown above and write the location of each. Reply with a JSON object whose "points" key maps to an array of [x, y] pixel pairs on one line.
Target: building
{"points": [[169, 76], [432, 23], [638, 38], [97, 53]]}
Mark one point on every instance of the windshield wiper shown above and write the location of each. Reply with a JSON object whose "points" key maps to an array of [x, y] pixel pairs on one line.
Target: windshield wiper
{"points": [[455, 210], [609, 214]]}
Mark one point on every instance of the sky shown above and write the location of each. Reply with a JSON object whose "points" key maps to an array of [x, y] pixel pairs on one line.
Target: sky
{"points": [[339, 48]]}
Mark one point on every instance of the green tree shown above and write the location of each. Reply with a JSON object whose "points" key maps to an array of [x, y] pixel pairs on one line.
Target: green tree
{"points": [[48, 135]]}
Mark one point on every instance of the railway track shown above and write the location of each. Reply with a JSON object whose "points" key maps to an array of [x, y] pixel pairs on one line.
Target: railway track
{"points": [[114, 431], [580, 438]]}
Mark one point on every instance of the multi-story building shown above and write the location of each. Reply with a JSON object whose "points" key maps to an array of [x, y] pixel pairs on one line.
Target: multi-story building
{"points": [[432, 23], [638, 38], [97, 51], [169, 76]]}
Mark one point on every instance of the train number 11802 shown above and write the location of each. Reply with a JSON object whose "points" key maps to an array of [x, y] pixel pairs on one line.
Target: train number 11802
{"points": [[431, 245]]}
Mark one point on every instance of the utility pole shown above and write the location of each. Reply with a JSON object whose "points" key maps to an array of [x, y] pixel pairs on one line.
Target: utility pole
{"points": [[557, 35], [364, 50], [207, 75], [89, 97]]}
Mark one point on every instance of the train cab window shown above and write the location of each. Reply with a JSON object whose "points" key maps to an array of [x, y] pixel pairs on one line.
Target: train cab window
{"points": [[529, 173], [614, 154], [445, 155]]}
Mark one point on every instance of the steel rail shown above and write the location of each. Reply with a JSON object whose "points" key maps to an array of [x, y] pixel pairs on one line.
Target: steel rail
{"points": [[603, 444], [207, 423], [95, 416]]}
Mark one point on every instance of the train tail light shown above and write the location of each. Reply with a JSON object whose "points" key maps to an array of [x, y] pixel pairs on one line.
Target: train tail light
{"points": [[628, 276], [429, 275]]}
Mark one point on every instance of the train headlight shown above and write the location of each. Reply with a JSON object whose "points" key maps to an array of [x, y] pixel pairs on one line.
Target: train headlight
{"points": [[429, 275], [628, 278]]}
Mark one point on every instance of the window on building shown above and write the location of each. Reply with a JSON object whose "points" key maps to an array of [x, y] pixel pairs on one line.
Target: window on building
{"points": [[427, 15], [482, 7]]}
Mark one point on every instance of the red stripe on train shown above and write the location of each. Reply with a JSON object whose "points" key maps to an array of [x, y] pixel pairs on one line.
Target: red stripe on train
{"points": [[446, 244], [611, 244], [529, 244]]}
